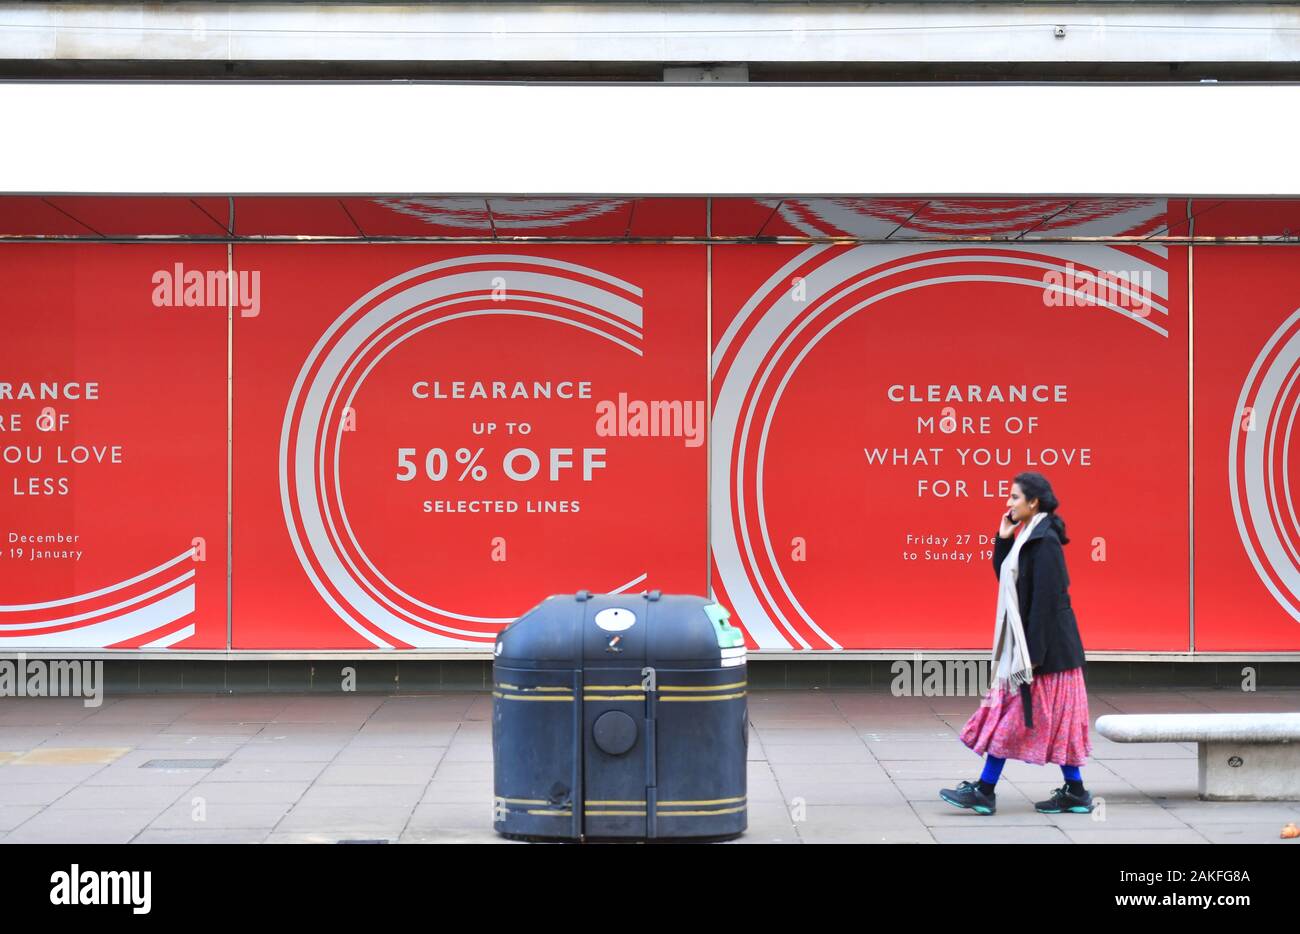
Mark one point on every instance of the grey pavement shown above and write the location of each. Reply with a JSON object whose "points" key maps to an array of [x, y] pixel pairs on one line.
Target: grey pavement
{"points": [[825, 766]]}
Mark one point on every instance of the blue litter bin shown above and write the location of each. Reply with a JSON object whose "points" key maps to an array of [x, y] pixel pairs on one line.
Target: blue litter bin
{"points": [[620, 717]]}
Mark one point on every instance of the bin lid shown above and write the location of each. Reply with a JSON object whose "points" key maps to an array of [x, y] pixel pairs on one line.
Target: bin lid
{"points": [[622, 631]]}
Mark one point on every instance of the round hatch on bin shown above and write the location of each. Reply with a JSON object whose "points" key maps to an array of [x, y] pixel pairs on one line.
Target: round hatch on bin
{"points": [[614, 732]]}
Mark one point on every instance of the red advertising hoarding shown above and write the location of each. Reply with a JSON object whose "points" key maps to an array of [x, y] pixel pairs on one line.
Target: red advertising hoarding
{"points": [[1247, 346], [872, 403], [431, 440], [113, 417], [412, 444]]}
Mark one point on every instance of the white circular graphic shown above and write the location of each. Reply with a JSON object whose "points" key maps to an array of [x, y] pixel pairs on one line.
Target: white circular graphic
{"points": [[411, 303], [1260, 463], [615, 619]]}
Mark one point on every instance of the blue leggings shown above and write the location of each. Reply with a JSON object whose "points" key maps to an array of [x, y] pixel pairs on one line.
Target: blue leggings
{"points": [[993, 771]]}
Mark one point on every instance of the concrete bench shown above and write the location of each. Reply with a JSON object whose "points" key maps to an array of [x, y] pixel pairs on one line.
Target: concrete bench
{"points": [[1240, 756]]}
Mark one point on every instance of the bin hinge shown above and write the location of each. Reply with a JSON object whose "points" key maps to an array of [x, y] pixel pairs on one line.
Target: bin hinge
{"points": [[650, 682]]}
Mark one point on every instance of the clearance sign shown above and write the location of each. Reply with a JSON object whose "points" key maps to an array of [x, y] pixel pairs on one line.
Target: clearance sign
{"points": [[873, 403], [430, 441], [113, 496], [369, 447]]}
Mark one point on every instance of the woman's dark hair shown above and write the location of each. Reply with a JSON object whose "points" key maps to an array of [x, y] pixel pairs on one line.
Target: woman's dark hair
{"points": [[1035, 486]]}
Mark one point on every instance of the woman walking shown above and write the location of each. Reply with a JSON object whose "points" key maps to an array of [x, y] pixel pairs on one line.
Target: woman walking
{"points": [[1036, 709]]}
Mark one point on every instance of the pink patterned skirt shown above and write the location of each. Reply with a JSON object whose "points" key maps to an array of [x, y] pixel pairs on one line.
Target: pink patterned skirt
{"points": [[1060, 731]]}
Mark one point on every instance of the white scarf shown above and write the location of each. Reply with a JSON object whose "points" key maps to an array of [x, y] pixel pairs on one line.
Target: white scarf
{"points": [[1011, 664]]}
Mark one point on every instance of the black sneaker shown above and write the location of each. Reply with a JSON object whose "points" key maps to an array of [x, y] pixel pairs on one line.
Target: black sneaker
{"points": [[968, 795], [1064, 800]]}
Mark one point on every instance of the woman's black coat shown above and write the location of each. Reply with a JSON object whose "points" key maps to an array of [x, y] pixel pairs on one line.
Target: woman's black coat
{"points": [[1043, 587]]}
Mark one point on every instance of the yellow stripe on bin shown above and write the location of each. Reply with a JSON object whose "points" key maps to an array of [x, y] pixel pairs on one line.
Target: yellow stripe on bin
{"points": [[702, 687], [703, 697], [712, 801], [552, 813], [530, 698], [698, 813], [539, 687], [640, 813], [613, 687], [613, 697]]}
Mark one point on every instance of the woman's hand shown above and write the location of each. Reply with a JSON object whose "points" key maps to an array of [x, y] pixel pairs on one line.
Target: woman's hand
{"points": [[1008, 527]]}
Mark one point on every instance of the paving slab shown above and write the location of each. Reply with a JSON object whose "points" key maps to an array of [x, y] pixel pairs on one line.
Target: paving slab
{"points": [[837, 766], [374, 820], [193, 810]]}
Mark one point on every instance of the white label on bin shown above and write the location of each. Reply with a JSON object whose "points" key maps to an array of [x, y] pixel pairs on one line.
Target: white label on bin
{"points": [[615, 619]]}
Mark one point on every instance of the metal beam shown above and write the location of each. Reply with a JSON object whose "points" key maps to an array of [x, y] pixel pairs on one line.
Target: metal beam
{"points": [[753, 32]]}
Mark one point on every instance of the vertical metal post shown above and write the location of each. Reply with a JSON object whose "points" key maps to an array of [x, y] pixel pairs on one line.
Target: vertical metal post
{"points": [[708, 397], [230, 430], [1191, 440]]}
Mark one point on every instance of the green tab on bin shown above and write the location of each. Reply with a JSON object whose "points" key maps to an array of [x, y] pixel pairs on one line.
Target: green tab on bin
{"points": [[729, 636]]}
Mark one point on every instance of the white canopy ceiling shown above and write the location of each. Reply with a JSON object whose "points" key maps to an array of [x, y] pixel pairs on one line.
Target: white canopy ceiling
{"points": [[375, 138]]}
